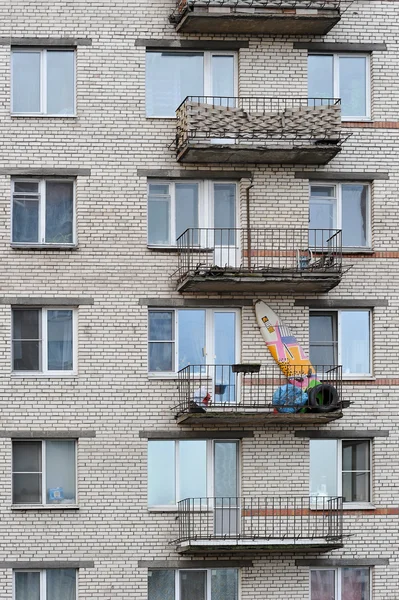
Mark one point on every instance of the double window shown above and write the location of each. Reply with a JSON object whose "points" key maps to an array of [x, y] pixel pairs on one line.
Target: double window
{"points": [[171, 76], [176, 206], [346, 583], [43, 212], [341, 468], [43, 82], [343, 206], [44, 472], [193, 584], [345, 76], [179, 469], [48, 584], [43, 340], [341, 337]]}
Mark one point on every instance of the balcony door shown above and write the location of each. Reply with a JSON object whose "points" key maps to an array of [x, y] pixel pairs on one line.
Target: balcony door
{"points": [[226, 477], [222, 353], [224, 236]]}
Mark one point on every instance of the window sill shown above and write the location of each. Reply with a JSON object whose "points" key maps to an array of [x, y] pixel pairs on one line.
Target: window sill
{"points": [[35, 375], [44, 507], [356, 250], [174, 118], [44, 246], [163, 509], [355, 120], [349, 377], [358, 506], [41, 116], [163, 376], [163, 248]]}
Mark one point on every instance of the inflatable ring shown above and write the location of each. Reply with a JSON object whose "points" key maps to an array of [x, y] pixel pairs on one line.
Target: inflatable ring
{"points": [[329, 397]]}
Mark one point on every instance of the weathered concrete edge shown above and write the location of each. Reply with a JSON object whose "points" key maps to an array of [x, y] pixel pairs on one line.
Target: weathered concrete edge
{"points": [[48, 434], [337, 176], [187, 302], [341, 562], [193, 174], [47, 564], [340, 46], [41, 301], [341, 303], [45, 41], [195, 435], [193, 564], [195, 44], [45, 171], [341, 433]]}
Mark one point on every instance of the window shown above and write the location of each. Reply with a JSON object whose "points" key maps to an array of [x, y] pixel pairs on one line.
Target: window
{"points": [[191, 469], [43, 212], [343, 206], [44, 472], [346, 583], [43, 340], [345, 76], [178, 338], [43, 82], [171, 76], [341, 468], [49, 584], [341, 337], [193, 584], [176, 206]]}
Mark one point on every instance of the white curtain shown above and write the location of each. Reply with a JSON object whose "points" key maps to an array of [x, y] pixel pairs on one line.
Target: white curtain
{"points": [[61, 584]]}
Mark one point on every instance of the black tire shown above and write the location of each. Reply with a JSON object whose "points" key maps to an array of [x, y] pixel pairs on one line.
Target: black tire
{"points": [[330, 398]]}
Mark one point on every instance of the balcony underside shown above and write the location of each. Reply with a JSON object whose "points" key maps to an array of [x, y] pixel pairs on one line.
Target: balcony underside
{"points": [[258, 546], [215, 418], [200, 21], [260, 282], [239, 153]]}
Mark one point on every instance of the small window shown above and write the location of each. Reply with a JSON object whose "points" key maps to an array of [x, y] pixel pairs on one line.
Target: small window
{"points": [[171, 76], [43, 82], [193, 584], [182, 469], [341, 468], [346, 583], [345, 76], [43, 212], [49, 584], [44, 472], [43, 340], [343, 206], [341, 338]]}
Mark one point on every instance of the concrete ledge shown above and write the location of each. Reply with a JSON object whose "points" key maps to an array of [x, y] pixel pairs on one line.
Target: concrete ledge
{"points": [[341, 303], [193, 564], [339, 46], [47, 564], [40, 301], [341, 562], [319, 434], [195, 435], [337, 176], [192, 302], [47, 434], [193, 44], [45, 171], [193, 174], [44, 41]]}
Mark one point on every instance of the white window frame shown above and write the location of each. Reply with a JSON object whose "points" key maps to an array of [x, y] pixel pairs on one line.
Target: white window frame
{"points": [[43, 472], [210, 471], [208, 54], [208, 579], [208, 350], [336, 80], [43, 82], [43, 581], [338, 579], [43, 353], [338, 312], [338, 199], [206, 196], [42, 212]]}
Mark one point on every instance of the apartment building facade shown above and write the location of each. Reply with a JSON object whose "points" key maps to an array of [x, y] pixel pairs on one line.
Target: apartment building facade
{"points": [[163, 167]]}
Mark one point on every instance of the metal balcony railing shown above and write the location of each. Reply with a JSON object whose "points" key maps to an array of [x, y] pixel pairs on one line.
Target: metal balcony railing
{"points": [[213, 251], [254, 387], [184, 5], [271, 520], [245, 120]]}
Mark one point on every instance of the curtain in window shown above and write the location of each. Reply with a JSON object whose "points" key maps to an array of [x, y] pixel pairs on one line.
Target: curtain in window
{"points": [[355, 584], [192, 469], [27, 585], [354, 215], [59, 345], [192, 585], [225, 349], [355, 341], [59, 212], [320, 77], [161, 585], [322, 584], [323, 468], [61, 584], [159, 214], [191, 337], [186, 208], [25, 219], [26, 82], [224, 584], [352, 85], [161, 473], [60, 472], [60, 82]]}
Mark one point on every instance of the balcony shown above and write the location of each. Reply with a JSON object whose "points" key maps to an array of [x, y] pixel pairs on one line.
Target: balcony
{"points": [[257, 17], [212, 129], [267, 524], [257, 395], [253, 260]]}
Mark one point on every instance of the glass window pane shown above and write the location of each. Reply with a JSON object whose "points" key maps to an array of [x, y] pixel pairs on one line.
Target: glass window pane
{"points": [[26, 187], [170, 77], [192, 469], [356, 486], [352, 85], [223, 77], [355, 584], [60, 344], [161, 356], [26, 356], [320, 76], [59, 212], [224, 584], [27, 457], [192, 585], [191, 326], [224, 216], [161, 585], [322, 585], [27, 488], [60, 82], [26, 342], [186, 207], [158, 221], [27, 585], [161, 325], [322, 334], [161, 473], [225, 354], [25, 219], [26, 82], [355, 455], [323, 467], [354, 215], [355, 341], [226, 477], [26, 324], [61, 584], [60, 472]]}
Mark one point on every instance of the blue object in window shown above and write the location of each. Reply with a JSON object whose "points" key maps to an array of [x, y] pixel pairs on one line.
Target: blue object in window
{"points": [[289, 398], [56, 494]]}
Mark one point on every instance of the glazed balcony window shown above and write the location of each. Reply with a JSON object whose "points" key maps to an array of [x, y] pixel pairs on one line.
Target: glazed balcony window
{"points": [[43, 82]]}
